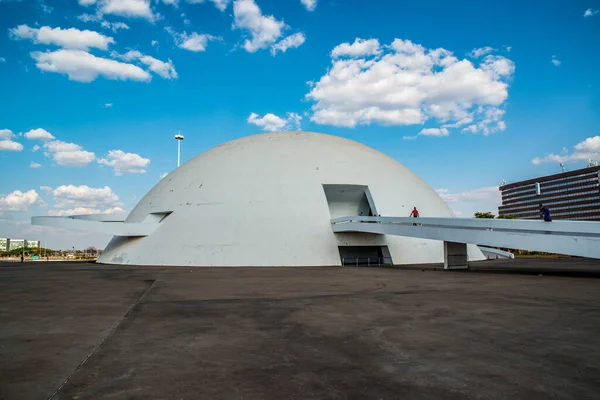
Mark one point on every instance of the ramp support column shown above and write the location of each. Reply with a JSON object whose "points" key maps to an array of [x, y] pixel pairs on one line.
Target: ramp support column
{"points": [[455, 255]]}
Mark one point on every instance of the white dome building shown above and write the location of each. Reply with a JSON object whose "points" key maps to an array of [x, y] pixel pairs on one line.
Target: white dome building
{"points": [[267, 200]]}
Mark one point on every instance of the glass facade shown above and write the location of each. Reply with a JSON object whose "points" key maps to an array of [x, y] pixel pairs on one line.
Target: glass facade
{"points": [[573, 195]]}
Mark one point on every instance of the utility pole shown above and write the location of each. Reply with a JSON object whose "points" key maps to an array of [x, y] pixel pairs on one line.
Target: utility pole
{"points": [[179, 138]]}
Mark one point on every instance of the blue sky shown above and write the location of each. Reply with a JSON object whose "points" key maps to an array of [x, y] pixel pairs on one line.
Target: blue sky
{"points": [[462, 94]]}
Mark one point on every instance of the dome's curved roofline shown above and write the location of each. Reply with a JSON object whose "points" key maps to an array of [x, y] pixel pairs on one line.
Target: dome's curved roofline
{"points": [[268, 199]]}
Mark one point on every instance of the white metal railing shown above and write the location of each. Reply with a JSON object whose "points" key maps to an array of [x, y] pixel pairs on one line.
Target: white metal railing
{"points": [[579, 238], [579, 228]]}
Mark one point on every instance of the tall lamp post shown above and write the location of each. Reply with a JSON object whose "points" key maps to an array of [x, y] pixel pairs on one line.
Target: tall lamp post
{"points": [[179, 138]]}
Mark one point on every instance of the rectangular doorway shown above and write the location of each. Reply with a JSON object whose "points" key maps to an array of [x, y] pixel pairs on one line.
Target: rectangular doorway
{"points": [[349, 200], [365, 256]]}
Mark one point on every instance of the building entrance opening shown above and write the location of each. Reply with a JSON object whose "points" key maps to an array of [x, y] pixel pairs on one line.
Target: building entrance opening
{"points": [[365, 256], [349, 200]]}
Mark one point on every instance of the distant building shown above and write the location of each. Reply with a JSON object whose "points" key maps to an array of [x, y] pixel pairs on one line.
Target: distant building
{"points": [[32, 244], [573, 195], [7, 244], [14, 244]]}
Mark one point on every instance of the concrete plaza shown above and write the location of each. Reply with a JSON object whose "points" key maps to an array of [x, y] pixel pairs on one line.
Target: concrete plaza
{"points": [[525, 329]]}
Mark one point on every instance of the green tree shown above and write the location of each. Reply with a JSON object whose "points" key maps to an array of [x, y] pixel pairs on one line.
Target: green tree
{"points": [[488, 214], [507, 216]]}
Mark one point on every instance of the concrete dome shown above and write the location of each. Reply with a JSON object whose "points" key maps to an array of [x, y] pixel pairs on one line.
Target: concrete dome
{"points": [[267, 200]]}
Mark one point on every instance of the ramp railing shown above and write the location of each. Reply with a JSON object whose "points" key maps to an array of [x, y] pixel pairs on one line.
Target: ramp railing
{"points": [[578, 238]]}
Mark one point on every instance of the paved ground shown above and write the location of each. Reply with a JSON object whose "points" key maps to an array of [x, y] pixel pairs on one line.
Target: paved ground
{"points": [[86, 331]]}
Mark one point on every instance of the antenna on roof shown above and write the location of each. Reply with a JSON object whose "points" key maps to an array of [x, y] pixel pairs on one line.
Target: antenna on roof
{"points": [[562, 166], [591, 163], [503, 182]]}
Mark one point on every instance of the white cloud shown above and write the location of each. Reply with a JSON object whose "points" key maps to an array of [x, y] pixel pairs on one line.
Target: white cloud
{"points": [[113, 210], [70, 38], [108, 105], [84, 67], [271, 122], [6, 134], [263, 30], [555, 61], [467, 203], [481, 51], [163, 69], [46, 9], [38, 134], [590, 12], [128, 8], [193, 42], [360, 47], [34, 165], [123, 162], [434, 132], [71, 196], [131, 55], [408, 84], [220, 4], [9, 145], [19, 201], [289, 42], [589, 149], [35, 148], [309, 4], [163, 175], [114, 26], [90, 17], [123, 8], [84, 211], [484, 193], [489, 120], [68, 154], [591, 144], [58, 146]]}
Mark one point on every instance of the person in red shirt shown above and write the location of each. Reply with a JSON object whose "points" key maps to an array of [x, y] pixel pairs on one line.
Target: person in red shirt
{"points": [[414, 214]]}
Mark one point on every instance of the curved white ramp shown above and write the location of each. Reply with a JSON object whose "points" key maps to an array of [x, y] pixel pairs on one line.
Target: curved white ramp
{"points": [[576, 238], [102, 223]]}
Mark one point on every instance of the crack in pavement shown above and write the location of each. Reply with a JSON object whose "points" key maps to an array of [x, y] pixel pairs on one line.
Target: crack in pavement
{"points": [[104, 339]]}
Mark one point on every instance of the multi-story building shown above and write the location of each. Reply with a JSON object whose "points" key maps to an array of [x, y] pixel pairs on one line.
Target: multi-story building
{"points": [[32, 244], [16, 244], [573, 195], [7, 244]]}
